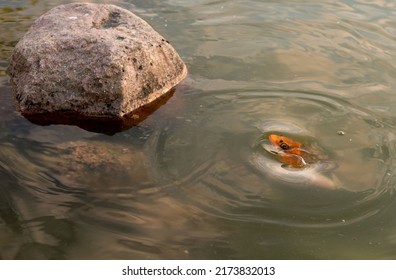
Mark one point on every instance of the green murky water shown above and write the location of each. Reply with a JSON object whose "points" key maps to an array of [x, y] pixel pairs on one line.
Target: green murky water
{"points": [[192, 181]]}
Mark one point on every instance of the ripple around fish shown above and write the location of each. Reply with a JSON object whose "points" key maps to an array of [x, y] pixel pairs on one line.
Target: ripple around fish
{"points": [[364, 202], [212, 162]]}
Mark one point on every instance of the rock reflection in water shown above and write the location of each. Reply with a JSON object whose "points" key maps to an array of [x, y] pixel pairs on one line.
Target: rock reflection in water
{"points": [[103, 195]]}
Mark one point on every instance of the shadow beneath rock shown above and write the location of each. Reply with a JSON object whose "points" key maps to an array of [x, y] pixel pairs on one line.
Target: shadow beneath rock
{"points": [[108, 125]]}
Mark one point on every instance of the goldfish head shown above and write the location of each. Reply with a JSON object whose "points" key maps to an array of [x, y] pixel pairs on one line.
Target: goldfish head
{"points": [[289, 151], [284, 143]]}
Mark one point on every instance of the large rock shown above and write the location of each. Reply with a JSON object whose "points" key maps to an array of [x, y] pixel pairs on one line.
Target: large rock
{"points": [[91, 60]]}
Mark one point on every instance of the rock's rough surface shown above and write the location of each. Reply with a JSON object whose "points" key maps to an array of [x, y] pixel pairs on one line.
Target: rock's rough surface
{"points": [[91, 60]]}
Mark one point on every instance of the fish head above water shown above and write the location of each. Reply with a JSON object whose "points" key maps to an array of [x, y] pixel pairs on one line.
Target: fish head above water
{"points": [[285, 144], [290, 152]]}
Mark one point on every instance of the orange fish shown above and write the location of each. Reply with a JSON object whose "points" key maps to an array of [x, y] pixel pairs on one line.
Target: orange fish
{"points": [[290, 152]]}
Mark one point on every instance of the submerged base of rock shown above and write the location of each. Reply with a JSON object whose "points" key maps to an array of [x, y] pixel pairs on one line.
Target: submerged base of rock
{"points": [[106, 125], [91, 61]]}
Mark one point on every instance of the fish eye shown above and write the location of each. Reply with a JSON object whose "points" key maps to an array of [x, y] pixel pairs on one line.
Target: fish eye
{"points": [[283, 145]]}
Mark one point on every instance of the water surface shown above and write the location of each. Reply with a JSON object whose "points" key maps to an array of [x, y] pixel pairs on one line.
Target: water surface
{"points": [[191, 181]]}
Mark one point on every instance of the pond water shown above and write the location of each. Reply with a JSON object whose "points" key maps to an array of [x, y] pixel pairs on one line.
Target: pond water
{"points": [[194, 180]]}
